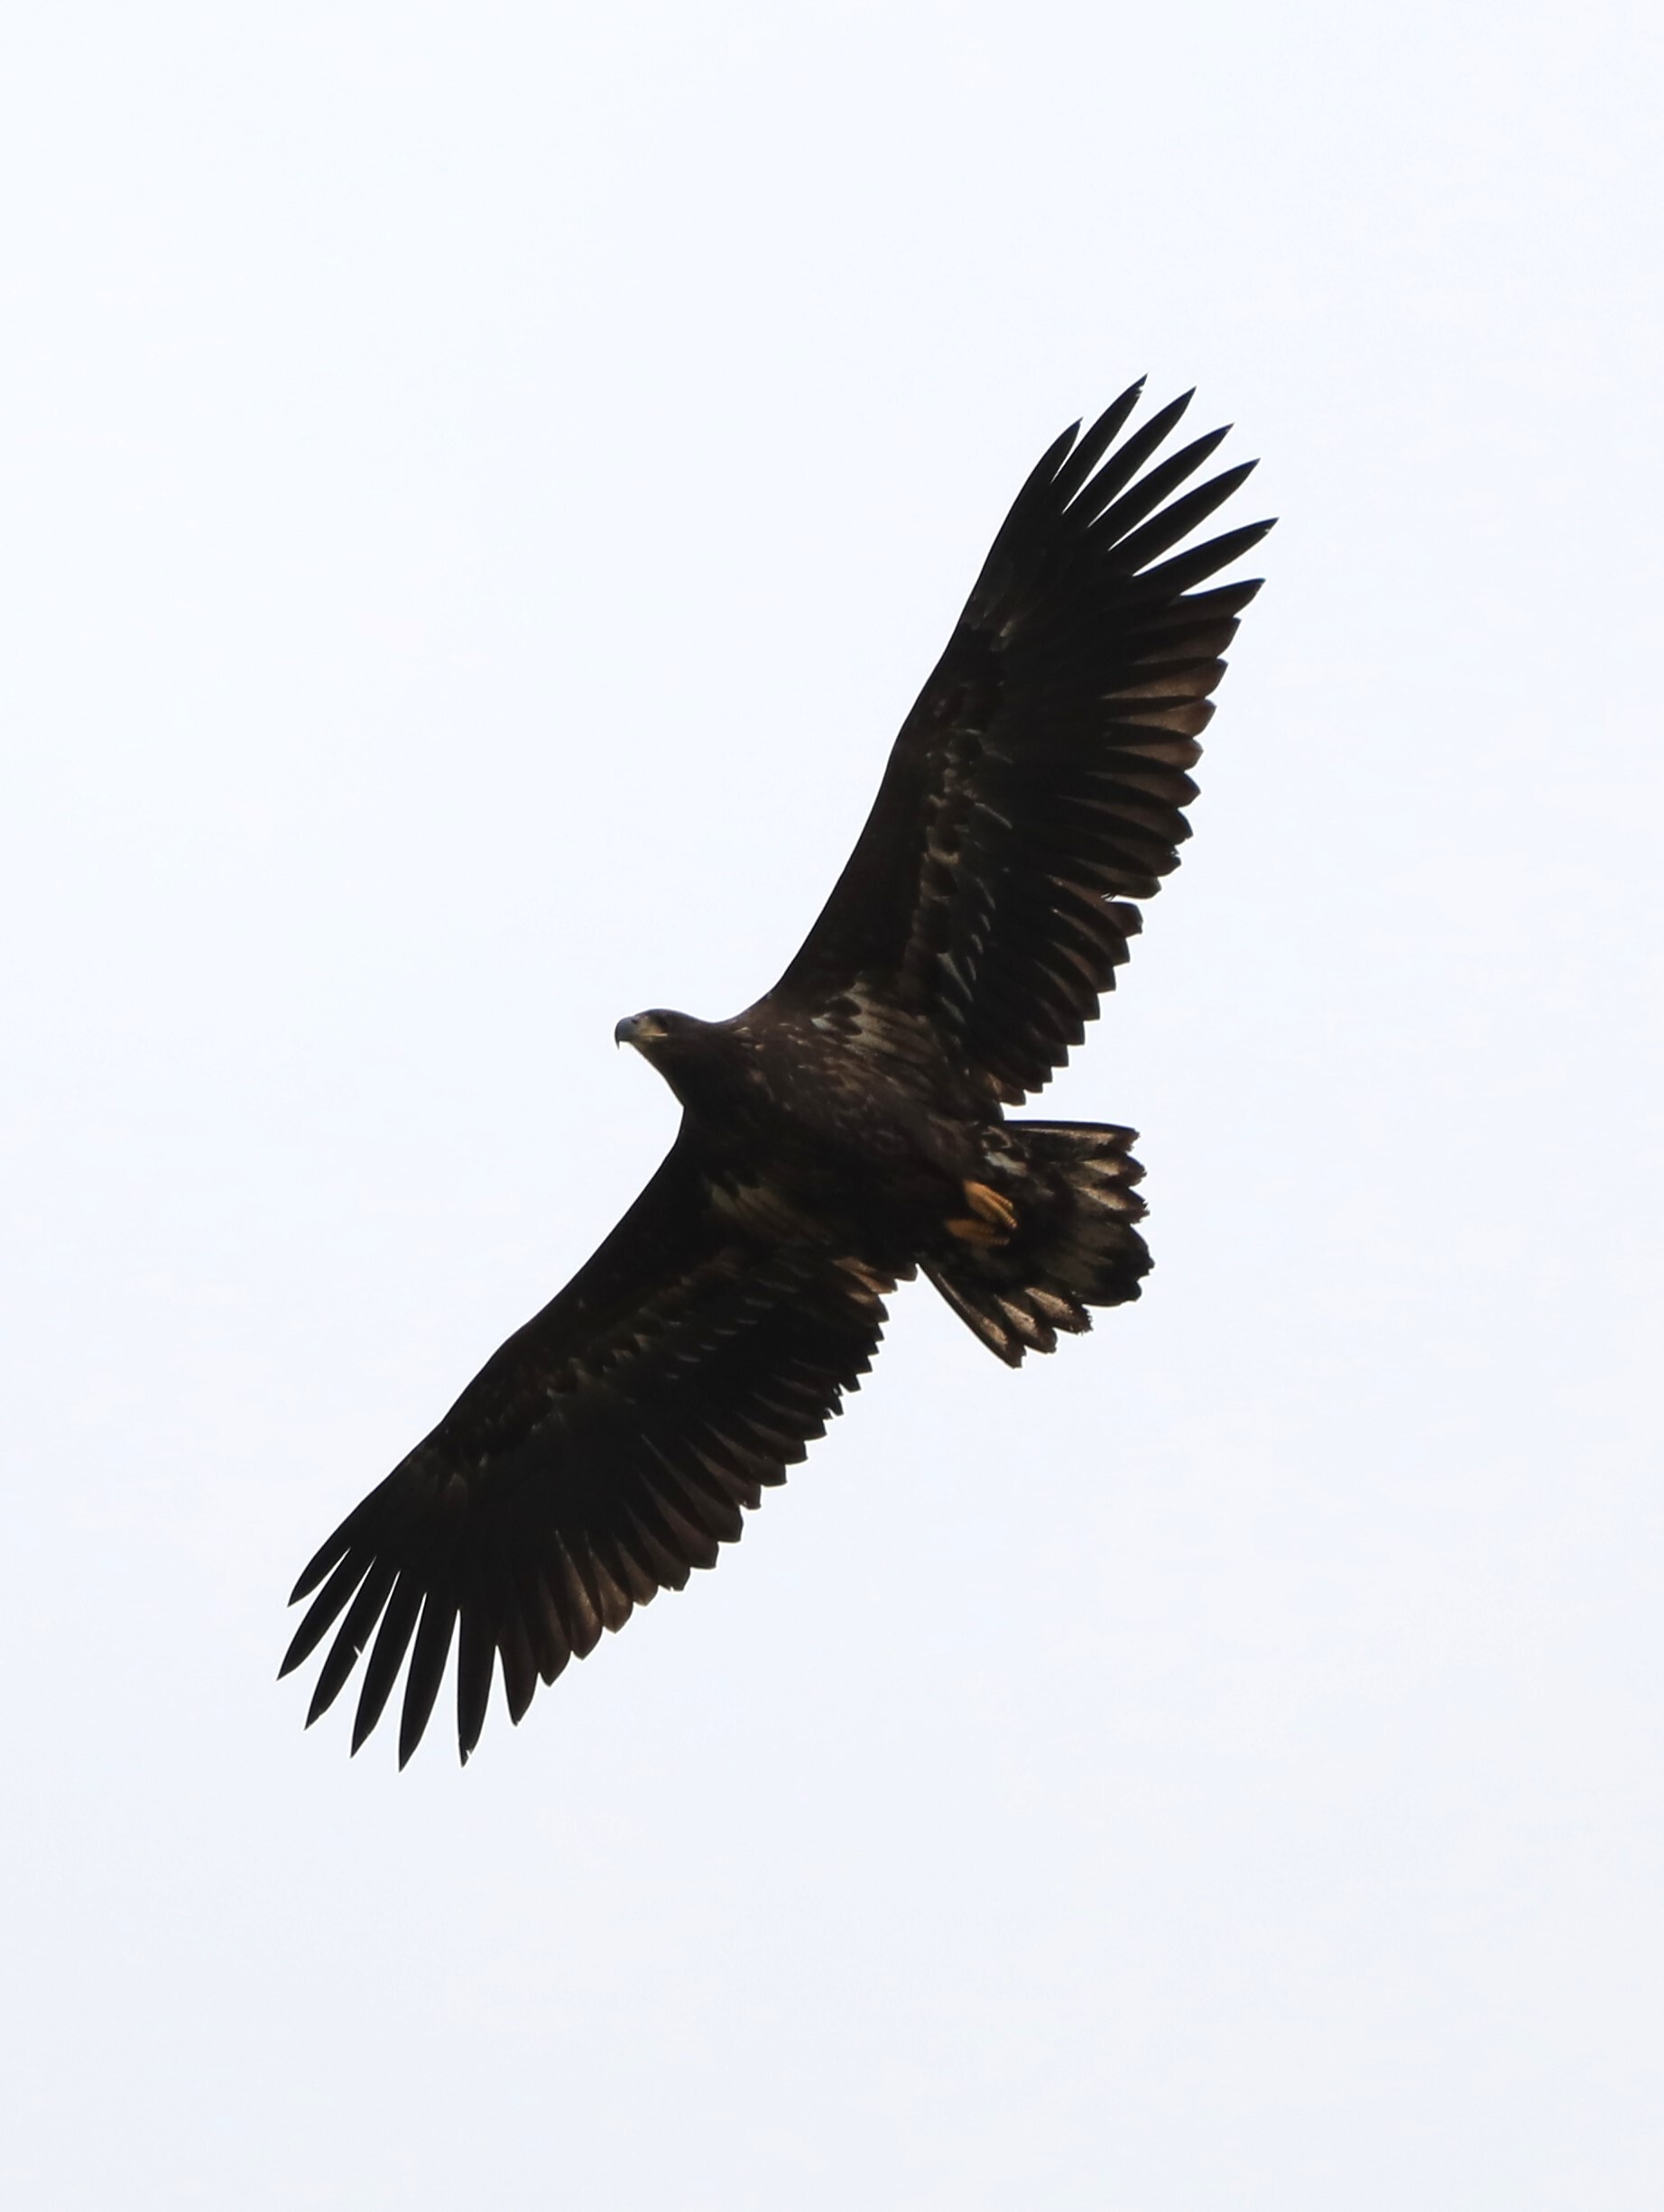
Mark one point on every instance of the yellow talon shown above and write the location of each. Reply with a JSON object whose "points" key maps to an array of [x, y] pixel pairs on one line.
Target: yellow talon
{"points": [[990, 1206]]}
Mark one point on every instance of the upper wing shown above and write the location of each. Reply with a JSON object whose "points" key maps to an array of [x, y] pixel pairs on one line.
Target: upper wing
{"points": [[602, 1453], [1041, 775]]}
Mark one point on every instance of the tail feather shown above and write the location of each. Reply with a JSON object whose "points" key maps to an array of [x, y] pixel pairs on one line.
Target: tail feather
{"points": [[1072, 1183]]}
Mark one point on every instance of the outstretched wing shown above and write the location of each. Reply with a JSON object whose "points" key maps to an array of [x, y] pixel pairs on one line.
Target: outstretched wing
{"points": [[1039, 781], [604, 1452]]}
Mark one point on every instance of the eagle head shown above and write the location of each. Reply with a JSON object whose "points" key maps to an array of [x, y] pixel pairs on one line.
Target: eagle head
{"points": [[647, 1032], [697, 1058]]}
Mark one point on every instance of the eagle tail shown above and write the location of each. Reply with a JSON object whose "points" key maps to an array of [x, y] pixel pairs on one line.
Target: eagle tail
{"points": [[1072, 1186]]}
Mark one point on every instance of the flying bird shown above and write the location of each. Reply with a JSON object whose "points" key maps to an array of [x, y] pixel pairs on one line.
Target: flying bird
{"points": [[848, 1130]]}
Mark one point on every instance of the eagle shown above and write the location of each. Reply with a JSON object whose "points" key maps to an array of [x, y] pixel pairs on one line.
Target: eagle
{"points": [[848, 1132]]}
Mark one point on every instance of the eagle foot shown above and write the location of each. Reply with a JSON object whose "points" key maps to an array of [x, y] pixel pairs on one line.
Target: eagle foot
{"points": [[970, 1231], [989, 1206]]}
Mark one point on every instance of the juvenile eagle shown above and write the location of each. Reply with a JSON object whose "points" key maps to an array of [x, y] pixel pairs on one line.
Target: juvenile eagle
{"points": [[848, 1129]]}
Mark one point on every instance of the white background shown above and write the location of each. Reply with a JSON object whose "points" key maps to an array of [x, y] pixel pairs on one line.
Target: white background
{"points": [[481, 486]]}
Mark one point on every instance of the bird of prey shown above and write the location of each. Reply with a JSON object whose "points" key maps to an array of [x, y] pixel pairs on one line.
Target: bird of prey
{"points": [[847, 1132]]}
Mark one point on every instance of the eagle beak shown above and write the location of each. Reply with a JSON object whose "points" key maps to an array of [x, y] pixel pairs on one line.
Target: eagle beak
{"points": [[638, 1029]]}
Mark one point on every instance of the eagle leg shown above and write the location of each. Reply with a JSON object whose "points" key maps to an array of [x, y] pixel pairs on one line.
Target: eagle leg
{"points": [[989, 1206]]}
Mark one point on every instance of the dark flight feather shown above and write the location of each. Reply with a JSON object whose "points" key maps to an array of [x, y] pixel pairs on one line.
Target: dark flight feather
{"points": [[846, 1130]]}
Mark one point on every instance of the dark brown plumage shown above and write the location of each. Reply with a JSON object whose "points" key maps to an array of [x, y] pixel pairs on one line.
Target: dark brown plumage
{"points": [[848, 1129]]}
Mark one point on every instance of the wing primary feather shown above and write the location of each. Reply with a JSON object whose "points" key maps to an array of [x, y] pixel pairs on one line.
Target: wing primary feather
{"points": [[326, 1557], [1221, 603], [393, 1640], [321, 1613], [1113, 522], [475, 1654], [421, 1685], [1180, 519], [1187, 568], [1119, 470], [1043, 475], [1079, 464], [351, 1637]]}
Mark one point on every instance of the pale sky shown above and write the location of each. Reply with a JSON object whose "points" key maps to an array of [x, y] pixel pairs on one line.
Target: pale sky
{"points": [[481, 487]]}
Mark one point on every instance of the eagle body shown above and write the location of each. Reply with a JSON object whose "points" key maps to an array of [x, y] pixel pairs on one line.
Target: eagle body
{"points": [[792, 1107], [847, 1131], [800, 1140]]}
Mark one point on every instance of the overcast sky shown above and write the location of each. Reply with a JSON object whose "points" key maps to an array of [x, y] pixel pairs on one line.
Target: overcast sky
{"points": [[481, 486]]}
